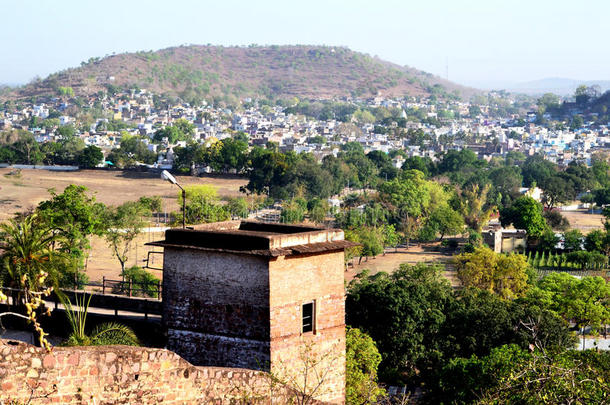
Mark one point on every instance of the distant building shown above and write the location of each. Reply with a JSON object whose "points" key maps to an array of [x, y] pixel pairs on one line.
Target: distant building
{"points": [[506, 240]]}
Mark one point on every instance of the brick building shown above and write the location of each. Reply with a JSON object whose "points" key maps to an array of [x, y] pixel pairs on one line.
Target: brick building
{"points": [[259, 296]]}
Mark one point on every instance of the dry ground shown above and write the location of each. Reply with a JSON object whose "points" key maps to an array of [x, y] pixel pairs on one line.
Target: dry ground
{"points": [[392, 260], [584, 220], [103, 263], [19, 193]]}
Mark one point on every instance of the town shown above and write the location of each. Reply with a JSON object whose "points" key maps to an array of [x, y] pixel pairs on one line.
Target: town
{"points": [[312, 203]]}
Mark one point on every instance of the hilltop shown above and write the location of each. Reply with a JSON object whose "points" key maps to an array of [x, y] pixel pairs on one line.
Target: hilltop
{"points": [[198, 71]]}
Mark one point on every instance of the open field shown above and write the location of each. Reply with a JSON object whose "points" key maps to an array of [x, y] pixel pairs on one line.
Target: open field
{"points": [[19, 193], [25, 191], [583, 220], [389, 262], [103, 263]]}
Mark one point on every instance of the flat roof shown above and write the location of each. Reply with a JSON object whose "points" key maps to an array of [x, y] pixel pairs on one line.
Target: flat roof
{"points": [[256, 238]]}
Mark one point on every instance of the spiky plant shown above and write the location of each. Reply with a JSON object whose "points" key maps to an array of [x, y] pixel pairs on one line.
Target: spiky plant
{"points": [[108, 333]]}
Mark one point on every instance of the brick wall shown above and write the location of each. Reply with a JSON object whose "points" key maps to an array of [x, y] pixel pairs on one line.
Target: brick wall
{"points": [[295, 280], [125, 375]]}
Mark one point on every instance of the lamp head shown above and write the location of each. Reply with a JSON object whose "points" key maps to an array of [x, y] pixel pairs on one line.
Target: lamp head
{"points": [[165, 175]]}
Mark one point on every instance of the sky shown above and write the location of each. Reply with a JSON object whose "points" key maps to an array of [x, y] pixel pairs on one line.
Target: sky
{"points": [[482, 43]]}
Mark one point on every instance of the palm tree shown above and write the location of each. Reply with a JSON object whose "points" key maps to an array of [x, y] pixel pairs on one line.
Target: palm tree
{"points": [[109, 333], [29, 265], [27, 253]]}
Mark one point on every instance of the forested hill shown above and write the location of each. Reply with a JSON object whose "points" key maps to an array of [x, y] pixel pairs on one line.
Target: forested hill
{"points": [[195, 71]]}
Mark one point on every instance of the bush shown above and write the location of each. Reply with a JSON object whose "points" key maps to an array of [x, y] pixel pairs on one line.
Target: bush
{"points": [[145, 283], [449, 243], [555, 220]]}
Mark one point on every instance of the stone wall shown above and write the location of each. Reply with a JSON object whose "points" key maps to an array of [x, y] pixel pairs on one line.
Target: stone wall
{"points": [[125, 375], [210, 300]]}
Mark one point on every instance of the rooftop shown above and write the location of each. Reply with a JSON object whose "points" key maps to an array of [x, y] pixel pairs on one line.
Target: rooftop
{"points": [[256, 238]]}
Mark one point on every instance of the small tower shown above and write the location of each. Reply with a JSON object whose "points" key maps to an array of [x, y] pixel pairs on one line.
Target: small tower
{"points": [[259, 296]]}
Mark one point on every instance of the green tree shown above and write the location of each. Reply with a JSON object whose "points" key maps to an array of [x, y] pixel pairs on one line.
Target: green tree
{"points": [[292, 212], [391, 238], [445, 221], [202, 205], [597, 241], [74, 216], [525, 213], [371, 240], [510, 374], [362, 360], [153, 203], [401, 311], [318, 210], [181, 130], [504, 275], [238, 207], [90, 157], [556, 191], [573, 240], [408, 197], [26, 253], [583, 301], [472, 204], [124, 223], [143, 282]]}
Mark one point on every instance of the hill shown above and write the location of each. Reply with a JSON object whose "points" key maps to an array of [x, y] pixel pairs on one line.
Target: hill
{"points": [[195, 71]]}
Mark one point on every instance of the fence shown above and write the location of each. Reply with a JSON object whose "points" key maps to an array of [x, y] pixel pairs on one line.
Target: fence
{"points": [[131, 288], [111, 302]]}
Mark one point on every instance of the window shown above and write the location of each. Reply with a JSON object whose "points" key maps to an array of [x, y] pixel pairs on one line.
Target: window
{"points": [[308, 317]]}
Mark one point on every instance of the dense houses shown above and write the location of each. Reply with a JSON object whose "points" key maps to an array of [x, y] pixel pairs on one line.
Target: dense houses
{"points": [[135, 112]]}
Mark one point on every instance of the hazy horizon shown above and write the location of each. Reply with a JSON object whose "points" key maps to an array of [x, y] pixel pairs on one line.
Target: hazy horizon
{"points": [[475, 43]]}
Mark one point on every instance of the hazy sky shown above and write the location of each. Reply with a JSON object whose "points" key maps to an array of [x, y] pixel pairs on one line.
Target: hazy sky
{"points": [[486, 42]]}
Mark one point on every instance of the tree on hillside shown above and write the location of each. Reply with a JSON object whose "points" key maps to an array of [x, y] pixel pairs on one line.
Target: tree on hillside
{"points": [[180, 130]]}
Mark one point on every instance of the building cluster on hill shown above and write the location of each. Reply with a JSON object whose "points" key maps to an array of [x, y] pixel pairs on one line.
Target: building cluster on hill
{"points": [[491, 126]]}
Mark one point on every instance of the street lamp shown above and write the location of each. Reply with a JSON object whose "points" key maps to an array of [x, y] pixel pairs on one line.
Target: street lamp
{"points": [[165, 175]]}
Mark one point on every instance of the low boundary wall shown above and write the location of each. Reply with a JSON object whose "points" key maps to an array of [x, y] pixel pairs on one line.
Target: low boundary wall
{"points": [[125, 375]]}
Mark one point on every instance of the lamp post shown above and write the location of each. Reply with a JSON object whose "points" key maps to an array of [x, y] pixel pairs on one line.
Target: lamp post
{"points": [[165, 175]]}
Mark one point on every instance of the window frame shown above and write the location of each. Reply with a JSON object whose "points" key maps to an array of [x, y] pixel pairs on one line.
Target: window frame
{"points": [[313, 317]]}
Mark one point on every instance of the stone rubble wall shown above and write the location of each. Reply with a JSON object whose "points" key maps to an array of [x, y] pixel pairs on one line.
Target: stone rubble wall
{"points": [[125, 375]]}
